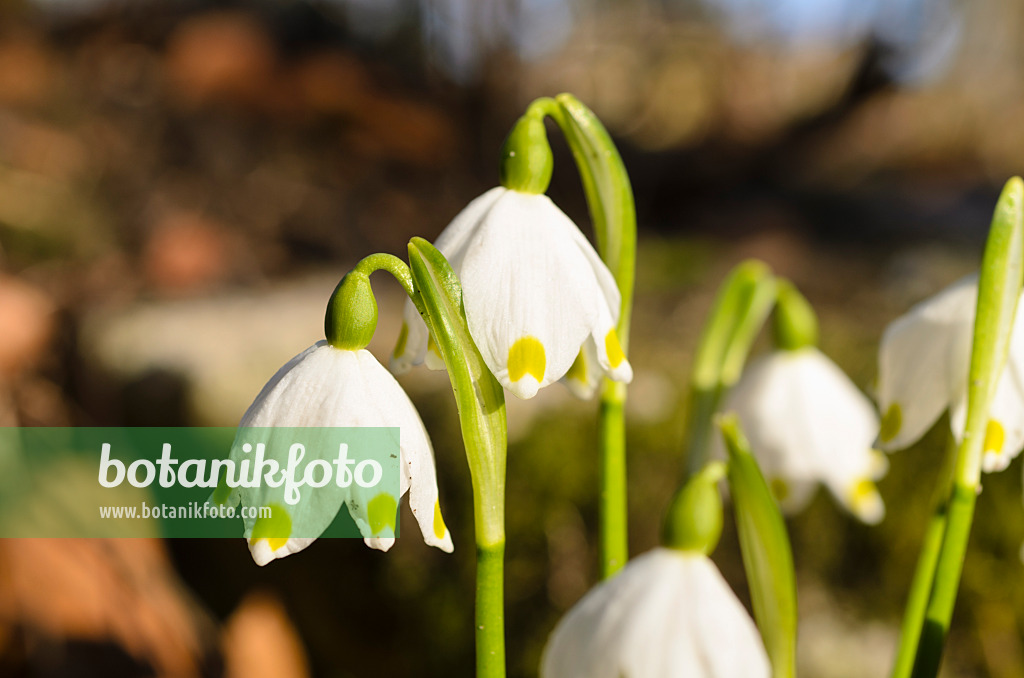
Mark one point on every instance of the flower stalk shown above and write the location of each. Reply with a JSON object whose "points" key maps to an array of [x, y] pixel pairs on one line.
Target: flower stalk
{"points": [[612, 209], [481, 405], [999, 285], [739, 312]]}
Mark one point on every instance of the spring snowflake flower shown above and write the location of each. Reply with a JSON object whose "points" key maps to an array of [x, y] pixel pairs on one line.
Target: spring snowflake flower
{"points": [[540, 303], [808, 423], [667, 613], [326, 386], [923, 363]]}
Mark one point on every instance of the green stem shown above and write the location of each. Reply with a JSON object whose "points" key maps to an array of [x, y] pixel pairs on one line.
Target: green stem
{"points": [[924, 574], [393, 265], [481, 405], [490, 611], [614, 544], [948, 569], [613, 212], [738, 313], [999, 286]]}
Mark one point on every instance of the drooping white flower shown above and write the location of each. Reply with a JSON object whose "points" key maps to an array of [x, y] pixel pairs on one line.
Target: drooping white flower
{"points": [[326, 386], [807, 423], [923, 363], [538, 298], [667, 613]]}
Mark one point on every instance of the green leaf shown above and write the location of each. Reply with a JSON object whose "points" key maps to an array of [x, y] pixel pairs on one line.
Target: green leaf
{"points": [[739, 311], [478, 394], [767, 557]]}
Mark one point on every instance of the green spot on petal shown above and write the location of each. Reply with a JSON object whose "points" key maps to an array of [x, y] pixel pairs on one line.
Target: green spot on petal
{"points": [[526, 357], [892, 421], [276, 529], [381, 511], [403, 338], [780, 489]]}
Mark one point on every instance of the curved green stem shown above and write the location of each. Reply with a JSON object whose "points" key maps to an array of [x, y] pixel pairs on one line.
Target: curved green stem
{"points": [[393, 265], [613, 212], [739, 311], [481, 405]]}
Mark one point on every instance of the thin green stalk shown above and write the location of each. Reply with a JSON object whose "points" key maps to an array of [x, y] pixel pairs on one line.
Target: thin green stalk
{"points": [[481, 405], [612, 209], [614, 546], [490, 610], [999, 287], [924, 573], [948, 569], [739, 311]]}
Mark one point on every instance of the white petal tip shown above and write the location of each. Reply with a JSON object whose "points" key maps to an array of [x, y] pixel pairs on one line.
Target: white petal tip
{"points": [[262, 553], [864, 502], [434, 361], [581, 389], [623, 373], [445, 543], [400, 365], [380, 543], [993, 462], [525, 388]]}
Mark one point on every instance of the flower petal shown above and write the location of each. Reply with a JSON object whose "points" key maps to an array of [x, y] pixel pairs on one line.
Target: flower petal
{"points": [[922, 363], [1005, 432], [328, 387], [531, 295], [412, 345], [667, 613], [807, 423]]}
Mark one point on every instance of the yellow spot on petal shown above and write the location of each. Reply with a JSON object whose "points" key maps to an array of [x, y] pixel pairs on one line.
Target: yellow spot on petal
{"points": [[614, 349], [381, 511], [403, 338], [578, 371], [526, 357], [994, 436], [432, 347], [276, 529], [439, 527], [865, 502], [892, 421], [780, 488]]}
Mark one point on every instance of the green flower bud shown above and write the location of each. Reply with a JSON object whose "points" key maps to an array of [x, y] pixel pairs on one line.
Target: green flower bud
{"points": [[351, 313], [695, 517], [796, 325], [526, 158]]}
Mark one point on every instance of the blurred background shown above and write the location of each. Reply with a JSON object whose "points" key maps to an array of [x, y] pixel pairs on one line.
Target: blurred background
{"points": [[182, 183]]}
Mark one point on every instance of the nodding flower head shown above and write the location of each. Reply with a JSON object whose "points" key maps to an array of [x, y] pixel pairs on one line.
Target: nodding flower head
{"points": [[540, 304]]}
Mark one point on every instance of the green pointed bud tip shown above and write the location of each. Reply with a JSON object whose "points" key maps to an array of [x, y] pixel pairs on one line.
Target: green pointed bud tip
{"points": [[695, 517], [351, 313], [796, 324], [526, 158]]}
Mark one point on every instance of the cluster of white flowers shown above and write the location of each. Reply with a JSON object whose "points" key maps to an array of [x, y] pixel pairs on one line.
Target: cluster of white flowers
{"points": [[510, 250], [542, 307]]}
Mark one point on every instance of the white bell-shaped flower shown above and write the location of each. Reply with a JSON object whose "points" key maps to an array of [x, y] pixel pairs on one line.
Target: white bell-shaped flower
{"points": [[807, 423], [326, 386], [923, 363], [667, 613], [538, 298]]}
